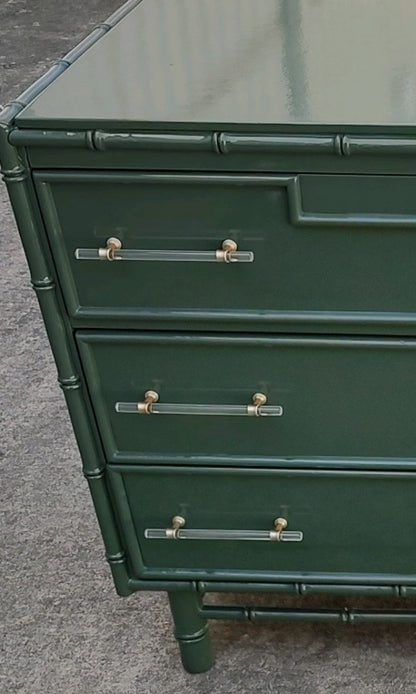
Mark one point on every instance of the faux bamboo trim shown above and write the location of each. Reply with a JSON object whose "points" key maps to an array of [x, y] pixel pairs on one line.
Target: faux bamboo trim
{"points": [[299, 589], [302, 589], [15, 175], [276, 614], [220, 143]]}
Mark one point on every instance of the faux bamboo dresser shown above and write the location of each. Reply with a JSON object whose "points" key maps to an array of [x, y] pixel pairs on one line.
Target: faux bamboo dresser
{"points": [[218, 206]]}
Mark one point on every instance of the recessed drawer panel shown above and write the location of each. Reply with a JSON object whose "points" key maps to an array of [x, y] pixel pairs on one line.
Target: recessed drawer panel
{"points": [[206, 520], [252, 399], [306, 252]]}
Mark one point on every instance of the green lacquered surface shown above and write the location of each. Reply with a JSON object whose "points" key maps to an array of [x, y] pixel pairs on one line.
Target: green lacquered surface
{"points": [[18, 180], [326, 249], [358, 523], [239, 61], [191, 630], [336, 254], [341, 397]]}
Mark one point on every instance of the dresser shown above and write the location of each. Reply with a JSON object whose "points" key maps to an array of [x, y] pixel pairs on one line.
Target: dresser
{"points": [[217, 202]]}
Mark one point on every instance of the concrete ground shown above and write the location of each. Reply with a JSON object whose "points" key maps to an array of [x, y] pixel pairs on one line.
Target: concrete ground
{"points": [[63, 629]]}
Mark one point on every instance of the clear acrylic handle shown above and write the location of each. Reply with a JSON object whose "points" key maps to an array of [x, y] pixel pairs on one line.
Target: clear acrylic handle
{"points": [[178, 532], [228, 253], [150, 405]]}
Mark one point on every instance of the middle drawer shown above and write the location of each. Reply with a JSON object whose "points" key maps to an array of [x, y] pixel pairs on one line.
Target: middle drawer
{"points": [[329, 400]]}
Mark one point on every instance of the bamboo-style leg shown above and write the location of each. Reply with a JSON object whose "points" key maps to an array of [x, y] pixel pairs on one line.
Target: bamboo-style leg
{"points": [[191, 630]]}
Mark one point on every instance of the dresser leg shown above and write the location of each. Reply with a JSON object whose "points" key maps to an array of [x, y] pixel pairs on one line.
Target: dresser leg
{"points": [[191, 630]]}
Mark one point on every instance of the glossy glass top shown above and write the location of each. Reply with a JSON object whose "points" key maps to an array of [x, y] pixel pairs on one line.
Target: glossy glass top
{"points": [[235, 62]]}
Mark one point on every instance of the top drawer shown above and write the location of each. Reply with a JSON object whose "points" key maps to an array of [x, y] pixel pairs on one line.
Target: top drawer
{"points": [[328, 252]]}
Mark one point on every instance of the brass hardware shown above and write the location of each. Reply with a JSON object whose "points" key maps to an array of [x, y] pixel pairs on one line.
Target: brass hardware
{"points": [[113, 244], [224, 254], [228, 253], [178, 531], [279, 525], [150, 397], [178, 522], [229, 245], [258, 400]]}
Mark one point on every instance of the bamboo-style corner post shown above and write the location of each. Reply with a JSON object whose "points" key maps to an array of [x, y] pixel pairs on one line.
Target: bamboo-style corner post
{"points": [[191, 630]]}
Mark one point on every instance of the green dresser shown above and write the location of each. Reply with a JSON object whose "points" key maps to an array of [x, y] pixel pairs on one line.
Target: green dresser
{"points": [[217, 202]]}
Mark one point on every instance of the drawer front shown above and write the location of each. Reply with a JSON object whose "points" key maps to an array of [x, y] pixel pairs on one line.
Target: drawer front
{"points": [[340, 398], [321, 250], [337, 522]]}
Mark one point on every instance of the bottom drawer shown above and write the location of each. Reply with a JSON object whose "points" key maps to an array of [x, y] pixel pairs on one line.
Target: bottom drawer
{"points": [[337, 522]]}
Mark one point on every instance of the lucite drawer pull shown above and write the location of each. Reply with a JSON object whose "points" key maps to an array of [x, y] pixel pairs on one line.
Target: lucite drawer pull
{"points": [[228, 253], [151, 405], [179, 532]]}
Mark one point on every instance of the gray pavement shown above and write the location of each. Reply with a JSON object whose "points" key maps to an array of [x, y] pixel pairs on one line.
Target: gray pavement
{"points": [[63, 628]]}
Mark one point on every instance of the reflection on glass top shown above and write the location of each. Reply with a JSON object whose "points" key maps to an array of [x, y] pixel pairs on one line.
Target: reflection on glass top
{"points": [[245, 61]]}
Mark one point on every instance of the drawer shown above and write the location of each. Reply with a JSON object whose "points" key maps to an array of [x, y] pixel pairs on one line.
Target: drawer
{"points": [[315, 252], [337, 522], [351, 400]]}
